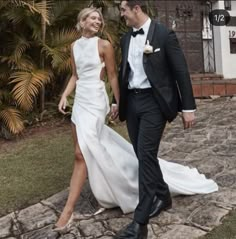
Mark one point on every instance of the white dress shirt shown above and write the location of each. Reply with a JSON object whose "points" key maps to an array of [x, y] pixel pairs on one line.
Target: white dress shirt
{"points": [[137, 76]]}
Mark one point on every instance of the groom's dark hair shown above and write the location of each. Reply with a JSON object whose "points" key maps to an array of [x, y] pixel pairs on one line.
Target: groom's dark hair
{"points": [[141, 3]]}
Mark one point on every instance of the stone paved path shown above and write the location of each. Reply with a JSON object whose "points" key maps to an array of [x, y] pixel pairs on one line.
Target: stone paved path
{"points": [[210, 146]]}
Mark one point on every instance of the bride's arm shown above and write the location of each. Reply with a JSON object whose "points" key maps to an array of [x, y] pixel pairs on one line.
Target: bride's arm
{"points": [[109, 58], [70, 86]]}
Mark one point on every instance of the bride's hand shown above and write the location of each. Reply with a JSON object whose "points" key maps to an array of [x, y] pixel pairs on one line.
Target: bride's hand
{"points": [[62, 105], [114, 111]]}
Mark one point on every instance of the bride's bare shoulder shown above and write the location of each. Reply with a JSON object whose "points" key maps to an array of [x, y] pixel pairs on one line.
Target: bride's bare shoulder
{"points": [[105, 44]]}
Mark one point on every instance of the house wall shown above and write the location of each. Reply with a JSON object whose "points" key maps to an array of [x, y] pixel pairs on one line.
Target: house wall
{"points": [[225, 61]]}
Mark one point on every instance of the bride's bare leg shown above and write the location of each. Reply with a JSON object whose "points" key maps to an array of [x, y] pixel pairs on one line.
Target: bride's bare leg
{"points": [[77, 181]]}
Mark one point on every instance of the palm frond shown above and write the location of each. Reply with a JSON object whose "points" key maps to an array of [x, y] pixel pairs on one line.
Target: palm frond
{"points": [[4, 73], [25, 63], [41, 8], [15, 15], [59, 49], [5, 96], [102, 4], [12, 118], [10, 60], [21, 47], [19, 44], [57, 56], [28, 85], [66, 65], [63, 37], [64, 10], [3, 4], [34, 25]]}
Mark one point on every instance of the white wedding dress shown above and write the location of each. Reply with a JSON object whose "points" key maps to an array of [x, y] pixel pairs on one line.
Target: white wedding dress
{"points": [[111, 162]]}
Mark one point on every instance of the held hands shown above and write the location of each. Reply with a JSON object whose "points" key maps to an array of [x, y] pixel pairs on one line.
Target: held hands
{"points": [[114, 111], [188, 119], [62, 105]]}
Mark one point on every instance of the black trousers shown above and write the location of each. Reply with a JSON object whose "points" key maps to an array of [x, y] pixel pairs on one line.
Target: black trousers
{"points": [[146, 123]]}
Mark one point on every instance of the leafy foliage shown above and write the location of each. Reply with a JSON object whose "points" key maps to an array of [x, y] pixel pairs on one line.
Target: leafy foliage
{"points": [[35, 41]]}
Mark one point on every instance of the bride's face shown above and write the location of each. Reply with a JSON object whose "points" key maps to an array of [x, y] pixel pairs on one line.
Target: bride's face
{"points": [[92, 23]]}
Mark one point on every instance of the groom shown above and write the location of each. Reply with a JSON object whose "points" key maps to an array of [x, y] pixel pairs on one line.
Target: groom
{"points": [[154, 85]]}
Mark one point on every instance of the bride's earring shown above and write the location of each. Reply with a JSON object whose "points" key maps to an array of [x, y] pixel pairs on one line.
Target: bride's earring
{"points": [[82, 26], [82, 30]]}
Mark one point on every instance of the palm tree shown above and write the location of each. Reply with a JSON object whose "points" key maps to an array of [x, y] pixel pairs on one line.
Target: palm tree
{"points": [[36, 36]]}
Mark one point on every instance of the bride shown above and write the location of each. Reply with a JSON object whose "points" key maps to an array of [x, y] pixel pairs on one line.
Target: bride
{"points": [[101, 153]]}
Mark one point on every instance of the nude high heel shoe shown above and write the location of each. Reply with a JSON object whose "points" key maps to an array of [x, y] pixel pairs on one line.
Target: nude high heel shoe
{"points": [[100, 210], [66, 228]]}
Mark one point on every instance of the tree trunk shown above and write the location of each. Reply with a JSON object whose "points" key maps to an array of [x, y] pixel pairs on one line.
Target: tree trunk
{"points": [[42, 61]]}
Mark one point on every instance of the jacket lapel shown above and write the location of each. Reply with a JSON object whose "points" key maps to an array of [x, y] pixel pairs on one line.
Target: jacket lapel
{"points": [[126, 52], [149, 38]]}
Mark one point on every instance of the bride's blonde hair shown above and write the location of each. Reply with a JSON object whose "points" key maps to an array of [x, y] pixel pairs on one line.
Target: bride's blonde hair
{"points": [[85, 13]]}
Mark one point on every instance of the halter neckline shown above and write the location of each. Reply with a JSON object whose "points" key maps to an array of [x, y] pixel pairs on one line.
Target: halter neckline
{"points": [[87, 38]]}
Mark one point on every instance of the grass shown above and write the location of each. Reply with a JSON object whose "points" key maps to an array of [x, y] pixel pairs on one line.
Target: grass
{"points": [[225, 231], [36, 167], [40, 165]]}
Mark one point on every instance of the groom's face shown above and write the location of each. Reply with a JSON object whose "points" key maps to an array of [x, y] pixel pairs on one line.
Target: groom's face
{"points": [[129, 15]]}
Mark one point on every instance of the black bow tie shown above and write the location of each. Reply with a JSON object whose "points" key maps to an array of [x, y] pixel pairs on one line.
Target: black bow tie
{"points": [[135, 33]]}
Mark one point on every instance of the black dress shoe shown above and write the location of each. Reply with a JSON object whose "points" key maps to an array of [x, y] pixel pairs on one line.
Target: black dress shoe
{"points": [[133, 231], [159, 206]]}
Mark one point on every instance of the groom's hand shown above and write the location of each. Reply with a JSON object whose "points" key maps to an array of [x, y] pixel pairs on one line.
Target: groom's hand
{"points": [[114, 111], [188, 119]]}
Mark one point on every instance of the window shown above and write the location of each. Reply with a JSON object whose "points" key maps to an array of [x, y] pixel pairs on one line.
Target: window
{"points": [[232, 42], [227, 4]]}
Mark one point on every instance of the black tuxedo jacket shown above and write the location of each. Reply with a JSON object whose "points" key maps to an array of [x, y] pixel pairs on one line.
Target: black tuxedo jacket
{"points": [[166, 71]]}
